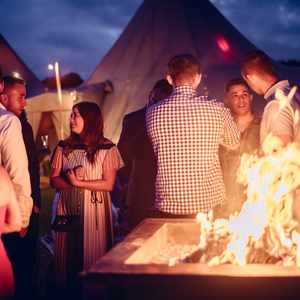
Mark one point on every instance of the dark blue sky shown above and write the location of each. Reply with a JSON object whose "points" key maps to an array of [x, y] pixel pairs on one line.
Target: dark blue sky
{"points": [[78, 33]]}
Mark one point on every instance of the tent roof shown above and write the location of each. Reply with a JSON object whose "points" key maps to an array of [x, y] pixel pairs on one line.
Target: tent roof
{"points": [[159, 30], [163, 28], [11, 62]]}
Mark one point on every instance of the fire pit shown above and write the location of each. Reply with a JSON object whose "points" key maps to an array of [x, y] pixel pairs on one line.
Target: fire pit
{"points": [[141, 267]]}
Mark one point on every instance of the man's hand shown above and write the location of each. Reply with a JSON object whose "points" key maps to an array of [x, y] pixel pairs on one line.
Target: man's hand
{"points": [[272, 144], [79, 172], [72, 177]]}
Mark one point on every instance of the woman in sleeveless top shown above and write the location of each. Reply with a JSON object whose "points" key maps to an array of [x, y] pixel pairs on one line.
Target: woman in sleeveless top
{"points": [[83, 170], [10, 221]]}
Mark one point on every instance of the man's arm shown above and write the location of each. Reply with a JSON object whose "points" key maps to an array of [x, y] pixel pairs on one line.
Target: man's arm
{"points": [[277, 122], [282, 124], [231, 133], [12, 220], [33, 164], [14, 160]]}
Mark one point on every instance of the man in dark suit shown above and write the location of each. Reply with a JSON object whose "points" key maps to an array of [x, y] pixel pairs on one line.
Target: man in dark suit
{"points": [[22, 247], [139, 172]]}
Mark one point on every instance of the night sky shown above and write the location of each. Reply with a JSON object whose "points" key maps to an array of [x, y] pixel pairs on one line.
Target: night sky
{"points": [[78, 33]]}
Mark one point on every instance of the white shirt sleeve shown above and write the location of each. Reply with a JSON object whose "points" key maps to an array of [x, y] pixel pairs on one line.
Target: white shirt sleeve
{"points": [[14, 160], [277, 121]]}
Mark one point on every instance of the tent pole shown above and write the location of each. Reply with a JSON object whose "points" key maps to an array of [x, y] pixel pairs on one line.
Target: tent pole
{"points": [[59, 94]]}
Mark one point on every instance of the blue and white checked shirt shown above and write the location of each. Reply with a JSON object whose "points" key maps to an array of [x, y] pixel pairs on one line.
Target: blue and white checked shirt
{"points": [[186, 131]]}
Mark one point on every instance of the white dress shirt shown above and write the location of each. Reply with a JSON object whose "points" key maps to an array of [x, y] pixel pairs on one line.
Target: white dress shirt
{"points": [[13, 158]]}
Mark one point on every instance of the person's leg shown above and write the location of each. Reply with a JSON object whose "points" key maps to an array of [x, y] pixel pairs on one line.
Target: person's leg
{"points": [[30, 247], [17, 253]]}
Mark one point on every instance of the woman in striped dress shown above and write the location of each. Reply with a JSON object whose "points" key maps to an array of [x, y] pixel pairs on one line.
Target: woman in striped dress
{"points": [[83, 170]]}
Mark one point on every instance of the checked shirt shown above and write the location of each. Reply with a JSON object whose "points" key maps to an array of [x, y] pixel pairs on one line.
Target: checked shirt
{"points": [[186, 131]]}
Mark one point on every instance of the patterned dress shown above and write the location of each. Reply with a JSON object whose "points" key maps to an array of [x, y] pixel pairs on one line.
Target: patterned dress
{"points": [[75, 251]]}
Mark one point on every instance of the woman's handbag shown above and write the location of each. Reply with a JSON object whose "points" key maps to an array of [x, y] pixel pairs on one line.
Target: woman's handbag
{"points": [[66, 223]]}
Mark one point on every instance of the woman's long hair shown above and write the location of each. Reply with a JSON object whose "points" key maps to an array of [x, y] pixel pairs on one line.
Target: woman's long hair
{"points": [[92, 133]]}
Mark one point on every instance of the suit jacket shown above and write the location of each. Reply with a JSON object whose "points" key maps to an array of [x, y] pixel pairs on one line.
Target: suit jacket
{"points": [[33, 163], [140, 166]]}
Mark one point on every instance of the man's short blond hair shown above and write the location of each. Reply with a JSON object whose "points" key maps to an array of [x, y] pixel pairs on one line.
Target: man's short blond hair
{"points": [[257, 62], [183, 67]]}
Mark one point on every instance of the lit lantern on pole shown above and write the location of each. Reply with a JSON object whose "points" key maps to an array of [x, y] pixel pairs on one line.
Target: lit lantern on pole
{"points": [[55, 67]]}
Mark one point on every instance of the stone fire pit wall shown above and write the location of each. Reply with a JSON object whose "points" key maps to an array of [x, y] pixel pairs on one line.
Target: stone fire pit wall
{"points": [[137, 268]]}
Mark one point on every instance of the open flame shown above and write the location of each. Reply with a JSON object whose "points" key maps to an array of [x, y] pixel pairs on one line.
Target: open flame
{"points": [[265, 230]]}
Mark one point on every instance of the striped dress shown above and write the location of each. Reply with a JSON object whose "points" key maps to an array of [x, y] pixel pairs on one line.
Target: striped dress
{"points": [[75, 251]]}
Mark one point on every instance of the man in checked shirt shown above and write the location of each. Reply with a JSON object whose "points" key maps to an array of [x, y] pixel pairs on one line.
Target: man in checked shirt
{"points": [[186, 131]]}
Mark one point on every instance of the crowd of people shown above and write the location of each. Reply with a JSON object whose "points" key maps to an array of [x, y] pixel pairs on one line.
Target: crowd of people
{"points": [[176, 157]]}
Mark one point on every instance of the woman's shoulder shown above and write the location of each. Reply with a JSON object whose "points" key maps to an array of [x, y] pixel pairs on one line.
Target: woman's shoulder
{"points": [[105, 144], [62, 143]]}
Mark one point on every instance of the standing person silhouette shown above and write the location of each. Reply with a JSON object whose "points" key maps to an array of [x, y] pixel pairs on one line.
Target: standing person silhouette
{"points": [[10, 221]]}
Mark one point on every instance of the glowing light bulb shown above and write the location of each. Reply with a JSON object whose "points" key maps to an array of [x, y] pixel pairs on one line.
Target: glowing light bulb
{"points": [[16, 74]]}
